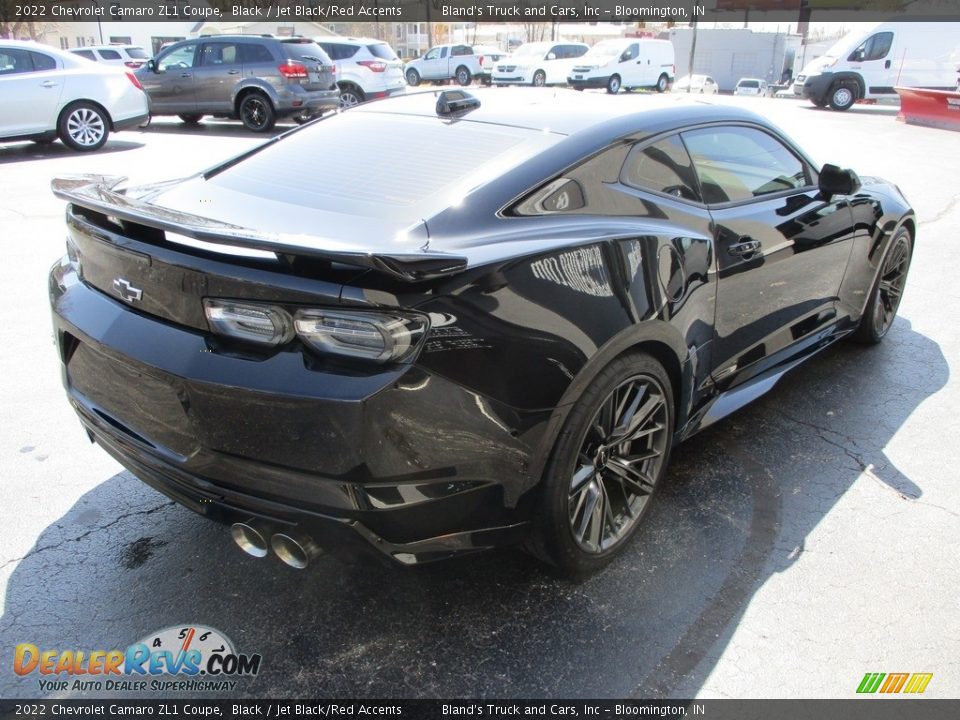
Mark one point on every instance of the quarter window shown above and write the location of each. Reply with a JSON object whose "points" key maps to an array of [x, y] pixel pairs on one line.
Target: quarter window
{"points": [[109, 54], [252, 53], [738, 163], [42, 62], [663, 166]]}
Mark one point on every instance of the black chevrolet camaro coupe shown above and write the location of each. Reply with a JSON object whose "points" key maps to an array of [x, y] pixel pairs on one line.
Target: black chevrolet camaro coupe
{"points": [[446, 322]]}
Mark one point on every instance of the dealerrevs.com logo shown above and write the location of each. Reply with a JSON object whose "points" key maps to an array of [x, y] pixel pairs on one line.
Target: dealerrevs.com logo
{"points": [[186, 658]]}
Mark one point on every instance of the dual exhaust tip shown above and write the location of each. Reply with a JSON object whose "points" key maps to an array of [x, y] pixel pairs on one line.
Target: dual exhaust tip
{"points": [[296, 549]]}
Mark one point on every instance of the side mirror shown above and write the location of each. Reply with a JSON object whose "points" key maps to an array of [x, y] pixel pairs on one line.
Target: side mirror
{"points": [[838, 181], [551, 56], [152, 65]]}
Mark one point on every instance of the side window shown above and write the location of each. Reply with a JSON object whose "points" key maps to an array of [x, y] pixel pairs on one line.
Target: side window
{"points": [[42, 62], [14, 61], [109, 54], [663, 167], [874, 47], [739, 163], [459, 50], [216, 54], [179, 59], [630, 53], [88, 54], [433, 54], [575, 51], [252, 53]]}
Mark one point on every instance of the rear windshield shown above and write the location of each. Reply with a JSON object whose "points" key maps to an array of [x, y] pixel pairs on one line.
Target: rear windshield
{"points": [[305, 50], [382, 164], [382, 51], [749, 83], [137, 53]]}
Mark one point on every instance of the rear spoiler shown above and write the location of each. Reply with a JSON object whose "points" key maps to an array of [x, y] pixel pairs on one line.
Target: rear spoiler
{"points": [[98, 193]]}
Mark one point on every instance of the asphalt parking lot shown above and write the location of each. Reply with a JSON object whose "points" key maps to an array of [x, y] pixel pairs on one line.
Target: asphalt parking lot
{"points": [[804, 541]]}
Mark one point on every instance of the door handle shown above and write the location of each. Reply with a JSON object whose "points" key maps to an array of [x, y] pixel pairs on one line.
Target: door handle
{"points": [[185, 75], [886, 65], [233, 72], [745, 247], [48, 84]]}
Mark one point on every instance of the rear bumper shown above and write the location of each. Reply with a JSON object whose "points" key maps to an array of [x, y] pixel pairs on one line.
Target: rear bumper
{"points": [[131, 122], [297, 100], [404, 461]]}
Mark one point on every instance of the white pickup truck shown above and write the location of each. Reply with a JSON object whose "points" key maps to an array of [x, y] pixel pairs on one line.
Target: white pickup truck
{"points": [[445, 62]]}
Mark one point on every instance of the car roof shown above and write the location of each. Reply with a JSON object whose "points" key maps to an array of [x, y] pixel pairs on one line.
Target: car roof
{"points": [[564, 111], [118, 46], [350, 40]]}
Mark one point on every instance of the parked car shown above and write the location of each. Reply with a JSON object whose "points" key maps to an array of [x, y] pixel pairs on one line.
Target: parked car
{"points": [[131, 56], [538, 64], [700, 84], [867, 64], [499, 343], [255, 78], [367, 69], [447, 62], [49, 93], [751, 86], [625, 63]]}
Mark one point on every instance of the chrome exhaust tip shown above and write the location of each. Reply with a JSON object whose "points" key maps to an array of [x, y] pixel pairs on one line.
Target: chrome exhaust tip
{"points": [[295, 549], [251, 538]]}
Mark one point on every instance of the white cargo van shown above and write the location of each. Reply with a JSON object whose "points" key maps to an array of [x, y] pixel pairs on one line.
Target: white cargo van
{"points": [[868, 64], [625, 63]]}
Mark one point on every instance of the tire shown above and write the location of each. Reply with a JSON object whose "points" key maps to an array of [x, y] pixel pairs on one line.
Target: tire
{"points": [[83, 126], [191, 118], [578, 88], [613, 84], [413, 78], [539, 79], [663, 82], [842, 97], [884, 300], [351, 95], [463, 76], [256, 112], [586, 467], [819, 103]]}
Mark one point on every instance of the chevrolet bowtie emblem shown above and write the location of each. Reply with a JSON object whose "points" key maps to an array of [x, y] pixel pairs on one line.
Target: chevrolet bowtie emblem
{"points": [[127, 291]]}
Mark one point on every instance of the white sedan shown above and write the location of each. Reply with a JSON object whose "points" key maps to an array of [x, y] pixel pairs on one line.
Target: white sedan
{"points": [[48, 93], [700, 84]]}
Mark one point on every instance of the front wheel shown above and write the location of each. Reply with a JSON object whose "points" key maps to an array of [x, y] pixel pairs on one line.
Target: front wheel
{"points": [[605, 467], [539, 78], [885, 297], [83, 126], [257, 113], [463, 76], [413, 78], [613, 84], [191, 118], [662, 82], [842, 97]]}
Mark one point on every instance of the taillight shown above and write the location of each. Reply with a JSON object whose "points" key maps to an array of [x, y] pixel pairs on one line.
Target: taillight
{"points": [[481, 59], [293, 70], [373, 65], [134, 80]]}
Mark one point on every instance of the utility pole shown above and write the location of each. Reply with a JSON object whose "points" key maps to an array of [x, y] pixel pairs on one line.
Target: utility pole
{"points": [[693, 51]]}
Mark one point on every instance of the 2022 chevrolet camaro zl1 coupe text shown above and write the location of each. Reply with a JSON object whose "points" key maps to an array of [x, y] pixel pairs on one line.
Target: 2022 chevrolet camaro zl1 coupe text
{"points": [[490, 329]]}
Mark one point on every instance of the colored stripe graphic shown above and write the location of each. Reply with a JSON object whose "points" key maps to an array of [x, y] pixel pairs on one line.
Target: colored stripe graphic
{"points": [[918, 682], [894, 682], [870, 682]]}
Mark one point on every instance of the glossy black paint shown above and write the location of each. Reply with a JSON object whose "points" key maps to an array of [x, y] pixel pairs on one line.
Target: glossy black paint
{"points": [[445, 455]]}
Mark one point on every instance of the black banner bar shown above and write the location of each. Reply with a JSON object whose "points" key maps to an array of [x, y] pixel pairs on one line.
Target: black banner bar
{"points": [[874, 708], [480, 11]]}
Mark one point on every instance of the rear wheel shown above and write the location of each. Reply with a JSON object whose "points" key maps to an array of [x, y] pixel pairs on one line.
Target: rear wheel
{"points": [[191, 118], [613, 84], [539, 78], [83, 126], [413, 78], [662, 82], [842, 97], [605, 467], [463, 76], [350, 96], [887, 290], [257, 113]]}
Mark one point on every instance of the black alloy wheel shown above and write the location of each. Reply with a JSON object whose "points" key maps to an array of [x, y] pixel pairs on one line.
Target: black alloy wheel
{"points": [[887, 291], [606, 466], [257, 113]]}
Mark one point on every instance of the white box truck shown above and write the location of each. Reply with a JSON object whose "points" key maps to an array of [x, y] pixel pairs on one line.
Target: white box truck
{"points": [[868, 64]]}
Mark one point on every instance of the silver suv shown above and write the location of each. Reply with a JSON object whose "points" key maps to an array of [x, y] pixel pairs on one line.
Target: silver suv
{"points": [[366, 69], [254, 78]]}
